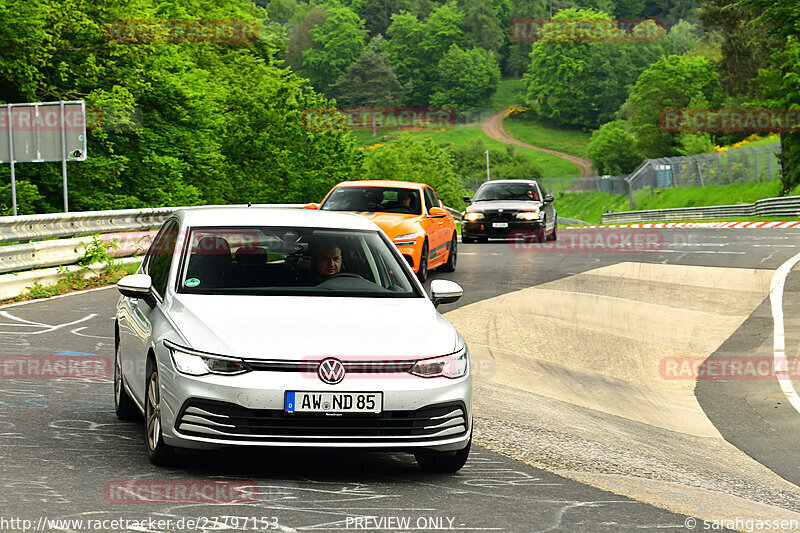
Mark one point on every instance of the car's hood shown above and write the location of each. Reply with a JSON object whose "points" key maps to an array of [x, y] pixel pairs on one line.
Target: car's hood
{"points": [[294, 327], [393, 224], [510, 205]]}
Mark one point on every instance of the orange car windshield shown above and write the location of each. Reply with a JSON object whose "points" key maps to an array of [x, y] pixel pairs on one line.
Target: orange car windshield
{"points": [[374, 199]]}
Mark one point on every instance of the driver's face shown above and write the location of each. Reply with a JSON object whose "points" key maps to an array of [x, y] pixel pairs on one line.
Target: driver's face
{"points": [[327, 263]]}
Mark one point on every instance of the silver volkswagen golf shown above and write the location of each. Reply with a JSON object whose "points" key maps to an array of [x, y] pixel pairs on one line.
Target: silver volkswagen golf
{"points": [[250, 326]]}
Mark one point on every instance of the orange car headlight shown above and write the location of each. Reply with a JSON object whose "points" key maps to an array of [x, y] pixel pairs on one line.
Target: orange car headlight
{"points": [[406, 240]]}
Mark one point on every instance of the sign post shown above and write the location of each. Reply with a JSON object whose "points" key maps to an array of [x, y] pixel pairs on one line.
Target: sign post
{"points": [[42, 132]]}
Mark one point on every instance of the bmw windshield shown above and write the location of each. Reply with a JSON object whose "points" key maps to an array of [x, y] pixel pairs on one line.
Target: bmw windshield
{"points": [[506, 191], [292, 261]]}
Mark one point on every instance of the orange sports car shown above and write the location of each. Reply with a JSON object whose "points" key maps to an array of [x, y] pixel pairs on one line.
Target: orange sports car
{"points": [[409, 213]]}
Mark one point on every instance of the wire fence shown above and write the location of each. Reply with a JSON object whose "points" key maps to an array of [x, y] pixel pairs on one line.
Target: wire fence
{"points": [[748, 164]]}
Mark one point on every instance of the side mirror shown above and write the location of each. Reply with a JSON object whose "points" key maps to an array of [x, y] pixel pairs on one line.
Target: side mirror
{"points": [[437, 212], [138, 286], [468, 199], [445, 292], [311, 206], [548, 198]]}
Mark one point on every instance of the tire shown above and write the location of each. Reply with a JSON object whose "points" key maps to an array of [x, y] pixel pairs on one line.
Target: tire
{"points": [[467, 240], [452, 257], [422, 272], [159, 453], [554, 235], [123, 404], [443, 462]]}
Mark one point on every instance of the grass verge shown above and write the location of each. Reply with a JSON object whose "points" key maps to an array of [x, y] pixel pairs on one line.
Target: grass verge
{"points": [[545, 135], [589, 206], [75, 281], [552, 166]]}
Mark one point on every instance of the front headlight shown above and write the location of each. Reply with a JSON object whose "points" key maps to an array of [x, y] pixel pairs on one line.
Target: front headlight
{"points": [[472, 217], [406, 237], [529, 215], [450, 366], [199, 364]]}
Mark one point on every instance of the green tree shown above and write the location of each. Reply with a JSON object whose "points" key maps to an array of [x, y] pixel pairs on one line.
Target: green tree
{"points": [[466, 78], [207, 122], [517, 57], [672, 82], [612, 149], [377, 14], [482, 26], [411, 158], [681, 38], [416, 47], [584, 83], [370, 80], [300, 38], [335, 45]]}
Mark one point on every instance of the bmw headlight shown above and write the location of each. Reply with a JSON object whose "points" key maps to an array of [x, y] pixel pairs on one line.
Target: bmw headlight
{"points": [[450, 366], [199, 364], [529, 215], [472, 217]]}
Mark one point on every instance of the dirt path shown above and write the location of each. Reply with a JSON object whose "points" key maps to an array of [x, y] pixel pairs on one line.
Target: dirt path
{"points": [[493, 127]]}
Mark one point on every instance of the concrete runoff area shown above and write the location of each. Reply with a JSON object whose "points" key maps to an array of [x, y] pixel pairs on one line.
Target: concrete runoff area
{"points": [[578, 360]]}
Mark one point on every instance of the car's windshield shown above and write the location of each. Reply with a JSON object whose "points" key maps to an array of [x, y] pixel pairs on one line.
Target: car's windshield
{"points": [[375, 199], [507, 191], [291, 260]]}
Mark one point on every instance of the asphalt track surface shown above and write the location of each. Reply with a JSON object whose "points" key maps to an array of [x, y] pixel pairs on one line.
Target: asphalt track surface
{"points": [[60, 443]]}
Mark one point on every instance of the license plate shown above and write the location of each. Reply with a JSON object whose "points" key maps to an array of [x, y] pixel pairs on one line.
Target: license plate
{"points": [[334, 402], [500, 224]]}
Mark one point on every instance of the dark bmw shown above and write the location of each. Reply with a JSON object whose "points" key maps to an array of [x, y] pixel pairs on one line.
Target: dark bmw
{"points": [[509, 208]]}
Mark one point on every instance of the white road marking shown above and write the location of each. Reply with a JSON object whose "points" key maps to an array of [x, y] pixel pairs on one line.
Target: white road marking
{"points": [[77, 330], [48, 328], [779, 342], [57, 296]]}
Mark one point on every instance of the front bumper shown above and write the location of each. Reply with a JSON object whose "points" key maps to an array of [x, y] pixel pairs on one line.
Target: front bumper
{"points": [[486, 228], [248, 410]]}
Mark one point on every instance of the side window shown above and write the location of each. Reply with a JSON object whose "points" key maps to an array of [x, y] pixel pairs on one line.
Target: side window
{"points": [[542, 190], [160, 257], [430, 199]]}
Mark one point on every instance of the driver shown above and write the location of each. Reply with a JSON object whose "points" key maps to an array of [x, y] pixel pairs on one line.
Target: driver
{"points": [[404, 199], [326, 259]]}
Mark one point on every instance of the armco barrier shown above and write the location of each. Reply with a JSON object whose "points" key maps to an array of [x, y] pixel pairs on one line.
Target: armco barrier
{"points": [[769, 207], [42, 254], [131, 228]]}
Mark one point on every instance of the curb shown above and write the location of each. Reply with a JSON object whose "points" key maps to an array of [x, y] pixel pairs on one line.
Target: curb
{"points": [[774, 224]]}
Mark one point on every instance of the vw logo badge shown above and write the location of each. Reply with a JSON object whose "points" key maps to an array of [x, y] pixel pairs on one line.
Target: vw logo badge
{"points": [[331, 371], [499, 210]]}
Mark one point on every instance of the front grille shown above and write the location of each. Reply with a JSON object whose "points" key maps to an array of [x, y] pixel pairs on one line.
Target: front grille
{"points": [[225, 421], [494, 216], [351, 367]]}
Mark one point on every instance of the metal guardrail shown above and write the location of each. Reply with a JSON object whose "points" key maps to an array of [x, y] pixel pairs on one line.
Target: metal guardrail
{"points": [[42, 254], [135, 224], [788, 206]]}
